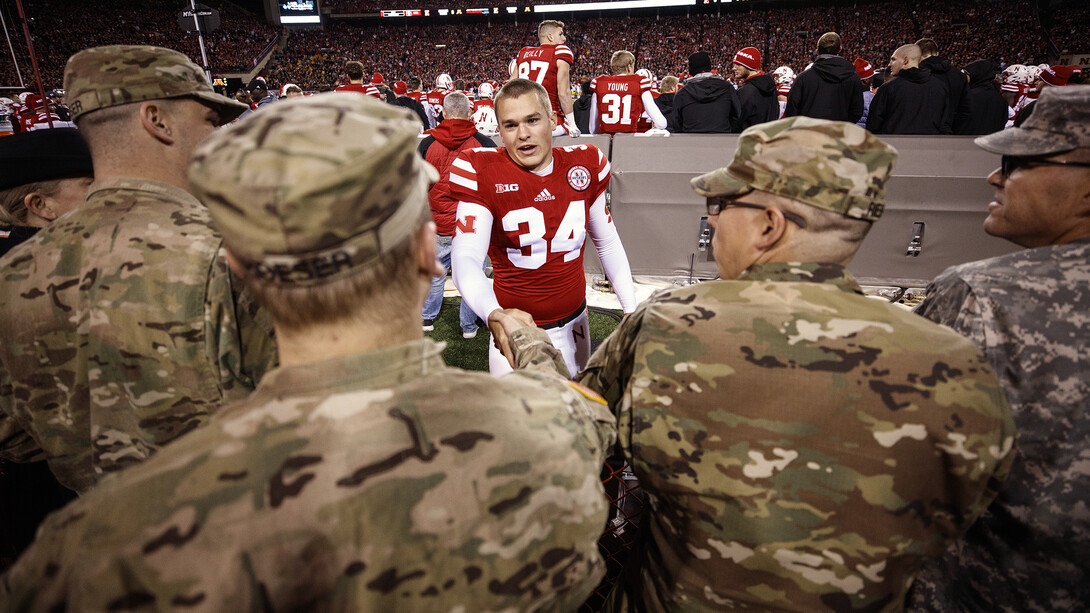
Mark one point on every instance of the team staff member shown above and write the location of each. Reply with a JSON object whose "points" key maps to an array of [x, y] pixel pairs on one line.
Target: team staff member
{"points": [[549, 65], [529, 206]]}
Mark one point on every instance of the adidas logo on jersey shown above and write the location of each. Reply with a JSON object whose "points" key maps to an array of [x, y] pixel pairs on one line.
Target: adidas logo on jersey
{"points": [[544, 195]]}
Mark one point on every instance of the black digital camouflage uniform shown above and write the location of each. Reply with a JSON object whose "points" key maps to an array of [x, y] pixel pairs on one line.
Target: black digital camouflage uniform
{"points": [[1030, 313]]}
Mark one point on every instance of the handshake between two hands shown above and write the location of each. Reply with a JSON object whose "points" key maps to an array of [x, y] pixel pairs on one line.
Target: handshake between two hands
{"points": [[503, 323]]}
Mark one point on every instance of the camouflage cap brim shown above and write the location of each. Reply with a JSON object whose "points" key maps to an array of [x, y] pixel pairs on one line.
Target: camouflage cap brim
{"points": [[311, 190], [228, 108], [104, 77], [1027, 143], [720, 183], [1060, 121]]}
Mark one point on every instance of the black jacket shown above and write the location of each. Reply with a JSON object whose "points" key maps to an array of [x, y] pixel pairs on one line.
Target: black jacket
{"points": [[987, 108], [415, 106], [912, 103], [706, 105], [957, 107], [830, 89], [758, 98], [665, 102], [581, 108]]}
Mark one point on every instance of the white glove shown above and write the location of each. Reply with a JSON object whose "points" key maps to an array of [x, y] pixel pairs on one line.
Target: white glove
{"points": [[569, 125]]}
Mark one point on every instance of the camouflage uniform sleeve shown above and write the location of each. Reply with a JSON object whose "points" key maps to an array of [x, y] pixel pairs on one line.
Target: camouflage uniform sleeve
{"points": [[245, 344], [610, 368], [950, 302], [535, 354], [16, 444]]}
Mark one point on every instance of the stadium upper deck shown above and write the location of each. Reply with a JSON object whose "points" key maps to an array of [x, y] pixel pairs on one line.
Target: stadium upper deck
{"points": [[1004, 30]]}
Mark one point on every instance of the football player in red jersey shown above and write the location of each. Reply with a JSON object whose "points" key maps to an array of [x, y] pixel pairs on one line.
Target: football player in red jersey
{"points": [[354, 71], [619, 100], [549, 64], [434, 98], [530, 206]]}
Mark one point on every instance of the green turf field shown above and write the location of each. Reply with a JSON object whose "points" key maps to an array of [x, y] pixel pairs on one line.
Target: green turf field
{"points": [[472, 354]]}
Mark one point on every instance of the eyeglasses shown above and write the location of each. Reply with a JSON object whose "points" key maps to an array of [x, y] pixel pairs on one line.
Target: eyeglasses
{"points": [[1010, 163], [718, 203]]}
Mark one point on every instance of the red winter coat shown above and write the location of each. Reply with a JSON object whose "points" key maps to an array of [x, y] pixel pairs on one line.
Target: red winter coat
{"points": [[440, 147]]}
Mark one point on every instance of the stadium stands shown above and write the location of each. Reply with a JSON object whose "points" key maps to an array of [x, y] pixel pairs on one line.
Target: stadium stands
{"points": [[966, 30], [62, 27]]}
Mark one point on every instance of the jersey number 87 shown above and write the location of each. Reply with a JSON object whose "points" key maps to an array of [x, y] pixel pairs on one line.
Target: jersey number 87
{"points": [[538, 67]]}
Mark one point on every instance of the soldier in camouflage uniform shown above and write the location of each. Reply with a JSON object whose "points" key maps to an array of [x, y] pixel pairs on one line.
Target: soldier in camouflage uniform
{"points": [[802, 447], [1029, 311], [362, 475], [122, 326]]}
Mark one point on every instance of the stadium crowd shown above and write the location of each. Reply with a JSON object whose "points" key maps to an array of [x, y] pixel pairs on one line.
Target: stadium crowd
{"points": [[211, 309], [62, 27], [968, 30]]}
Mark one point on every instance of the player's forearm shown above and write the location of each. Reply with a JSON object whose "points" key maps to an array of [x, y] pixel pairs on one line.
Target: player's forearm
{"points": [[467, 255], [607, 242], [657, 118]]}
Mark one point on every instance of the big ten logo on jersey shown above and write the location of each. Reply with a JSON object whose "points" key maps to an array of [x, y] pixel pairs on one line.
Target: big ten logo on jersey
{"points": [[535, 70], [535, 242], [503, 188]]}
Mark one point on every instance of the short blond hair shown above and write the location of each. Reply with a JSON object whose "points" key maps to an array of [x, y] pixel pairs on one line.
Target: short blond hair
{"points": [[516, 88], [669, 84], [546, 27], [620, 60]]}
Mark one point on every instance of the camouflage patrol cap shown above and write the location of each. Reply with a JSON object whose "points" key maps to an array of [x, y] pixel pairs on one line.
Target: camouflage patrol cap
{"points": [[102, 77], [831, 165], [311, 190], [1060, 122]]}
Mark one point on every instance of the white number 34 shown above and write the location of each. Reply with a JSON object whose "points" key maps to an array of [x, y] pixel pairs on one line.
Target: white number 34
{"points": [[568, 239]]}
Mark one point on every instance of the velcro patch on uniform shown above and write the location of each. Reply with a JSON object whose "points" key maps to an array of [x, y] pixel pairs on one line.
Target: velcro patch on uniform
{"points": [[588, 393]]}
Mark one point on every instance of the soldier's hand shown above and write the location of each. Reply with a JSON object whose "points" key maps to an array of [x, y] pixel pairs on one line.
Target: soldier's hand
{"points": [[503, 323]]}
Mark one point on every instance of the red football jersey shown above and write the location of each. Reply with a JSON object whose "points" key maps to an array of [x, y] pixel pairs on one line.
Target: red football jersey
{"points": [[539, 64], [435, 98], [483, 102], [363, 88], [418, 96], [619, 103], [539, 224]]}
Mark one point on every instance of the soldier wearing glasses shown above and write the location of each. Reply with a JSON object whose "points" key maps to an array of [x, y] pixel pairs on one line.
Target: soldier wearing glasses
{"points": [[803, 447], [1029, 311]]}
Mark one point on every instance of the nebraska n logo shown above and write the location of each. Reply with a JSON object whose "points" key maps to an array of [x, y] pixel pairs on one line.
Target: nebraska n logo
{"points": [[467, 226]]}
